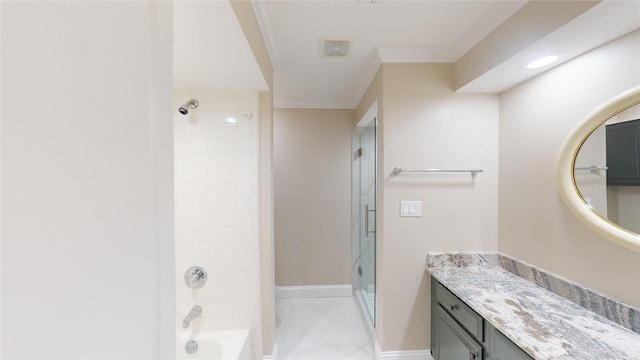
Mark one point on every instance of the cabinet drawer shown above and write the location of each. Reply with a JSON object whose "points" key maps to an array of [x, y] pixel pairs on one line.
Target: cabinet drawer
{"points": [[463, 314]]}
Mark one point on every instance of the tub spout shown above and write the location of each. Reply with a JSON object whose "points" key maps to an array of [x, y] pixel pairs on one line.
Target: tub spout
{"points": [[195, 312]]}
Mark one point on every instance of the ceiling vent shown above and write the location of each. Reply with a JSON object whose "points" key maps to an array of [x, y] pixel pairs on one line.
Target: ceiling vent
{"points": [[336, 47]]}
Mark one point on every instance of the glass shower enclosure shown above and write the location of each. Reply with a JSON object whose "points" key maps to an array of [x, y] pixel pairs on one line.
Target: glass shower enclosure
{"points": [[364, 189]]}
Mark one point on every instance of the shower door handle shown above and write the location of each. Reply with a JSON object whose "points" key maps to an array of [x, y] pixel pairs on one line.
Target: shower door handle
{"points": [[366, 220]]}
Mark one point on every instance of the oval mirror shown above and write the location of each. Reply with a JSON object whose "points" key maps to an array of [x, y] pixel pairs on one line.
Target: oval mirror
{"points": [[598, 169]]}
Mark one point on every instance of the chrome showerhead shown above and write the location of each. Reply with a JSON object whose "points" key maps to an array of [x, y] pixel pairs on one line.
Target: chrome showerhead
{"points": [[189, 105]]}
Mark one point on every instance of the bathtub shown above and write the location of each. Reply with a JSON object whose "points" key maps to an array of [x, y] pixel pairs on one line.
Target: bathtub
{"points": [[216, 345]]}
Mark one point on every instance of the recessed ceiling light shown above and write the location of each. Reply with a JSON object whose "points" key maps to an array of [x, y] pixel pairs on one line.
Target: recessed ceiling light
{"points": [[543, 61]]}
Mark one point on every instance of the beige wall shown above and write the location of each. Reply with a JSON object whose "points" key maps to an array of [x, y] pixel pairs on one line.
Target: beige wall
{"points": [[373, 93], [312, 185], [247, 19], [424, 124], [87, 181], [266, 222], [535, 225]]}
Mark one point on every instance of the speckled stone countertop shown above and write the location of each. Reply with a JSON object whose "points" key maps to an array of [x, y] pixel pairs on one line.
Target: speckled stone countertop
{"points": [[543, 324]]}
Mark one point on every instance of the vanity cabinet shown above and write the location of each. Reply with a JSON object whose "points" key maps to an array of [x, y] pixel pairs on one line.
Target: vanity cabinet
{"points": [[502, 348], [453, 340], [459, 333]]}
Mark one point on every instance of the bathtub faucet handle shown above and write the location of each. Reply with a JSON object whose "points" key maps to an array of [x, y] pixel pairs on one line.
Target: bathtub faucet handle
{"points": [[197, 274], [195, 277]]}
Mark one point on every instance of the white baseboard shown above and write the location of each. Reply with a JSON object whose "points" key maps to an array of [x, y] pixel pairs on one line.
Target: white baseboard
{"points": [[403, 355], [317, 291]]}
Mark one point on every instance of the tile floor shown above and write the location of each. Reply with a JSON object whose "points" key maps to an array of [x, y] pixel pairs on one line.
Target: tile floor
{"points": [[320, 328]]}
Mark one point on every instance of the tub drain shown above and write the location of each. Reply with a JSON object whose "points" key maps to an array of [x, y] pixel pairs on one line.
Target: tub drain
{"points": [[191, 347]]}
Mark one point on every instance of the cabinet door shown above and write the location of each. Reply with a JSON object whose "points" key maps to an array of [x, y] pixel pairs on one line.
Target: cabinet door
{"points": [[452, 341], [503, 349], [623, 153], [434, 319]]}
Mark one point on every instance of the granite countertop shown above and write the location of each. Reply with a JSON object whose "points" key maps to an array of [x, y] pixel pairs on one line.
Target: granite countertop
{"points": [[543, 324]]}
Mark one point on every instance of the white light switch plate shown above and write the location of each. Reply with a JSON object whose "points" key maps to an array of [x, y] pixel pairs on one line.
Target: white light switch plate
{"points": [[410, 208]]}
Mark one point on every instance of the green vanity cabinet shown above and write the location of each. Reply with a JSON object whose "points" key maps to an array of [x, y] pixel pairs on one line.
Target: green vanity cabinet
{"points": [[453, 341], [502, 348], [459, 333]]}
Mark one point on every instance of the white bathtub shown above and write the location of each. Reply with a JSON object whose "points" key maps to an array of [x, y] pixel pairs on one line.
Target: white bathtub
{"points": [[216, 345]]}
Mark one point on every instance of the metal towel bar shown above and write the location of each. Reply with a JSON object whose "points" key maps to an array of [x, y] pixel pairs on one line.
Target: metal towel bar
{"points": [[399, 170], [592, 168]]}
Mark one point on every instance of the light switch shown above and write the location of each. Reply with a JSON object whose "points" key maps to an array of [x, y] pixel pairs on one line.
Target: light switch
{"points": [[410, 208]]}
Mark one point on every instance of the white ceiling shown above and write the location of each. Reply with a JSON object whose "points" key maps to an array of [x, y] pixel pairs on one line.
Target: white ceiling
{"points": [[210, 50], [407, 31]]}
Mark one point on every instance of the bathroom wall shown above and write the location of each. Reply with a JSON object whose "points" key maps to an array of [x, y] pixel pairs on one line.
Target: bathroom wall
{"points": [[217, 200], [312, 177], [424, 124], [427, 125], [87, 182], [0, 187], [247, 19], [535, 117], [267, 271]]}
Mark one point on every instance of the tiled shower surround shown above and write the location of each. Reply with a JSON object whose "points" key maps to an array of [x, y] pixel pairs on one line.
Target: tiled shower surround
{"points": [[216, 186]]}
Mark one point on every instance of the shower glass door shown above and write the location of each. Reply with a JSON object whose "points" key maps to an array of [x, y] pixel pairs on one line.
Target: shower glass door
{"points": [[368, 208]]}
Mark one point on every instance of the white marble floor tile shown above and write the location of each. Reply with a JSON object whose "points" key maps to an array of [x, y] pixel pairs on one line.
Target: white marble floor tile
{"points": [[320, 328]]}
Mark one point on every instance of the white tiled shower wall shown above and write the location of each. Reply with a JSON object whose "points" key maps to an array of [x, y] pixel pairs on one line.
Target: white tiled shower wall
{"points": [[216, 185]]}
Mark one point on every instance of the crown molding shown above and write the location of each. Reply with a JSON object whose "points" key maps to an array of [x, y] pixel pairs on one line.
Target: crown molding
{"points": [[311, 104], [372, 70], [415, 54], [264, 15]]}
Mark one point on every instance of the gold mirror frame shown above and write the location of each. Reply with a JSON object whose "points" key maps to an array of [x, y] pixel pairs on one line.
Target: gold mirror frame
{"points": [[566, 174]]}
